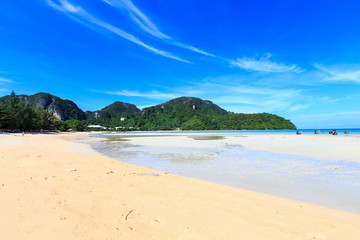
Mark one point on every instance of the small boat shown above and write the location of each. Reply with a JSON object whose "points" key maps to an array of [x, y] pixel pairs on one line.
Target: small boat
{"points": [[298, 132], [331, 132], [334, 132], [346, 132], [316, 132]]}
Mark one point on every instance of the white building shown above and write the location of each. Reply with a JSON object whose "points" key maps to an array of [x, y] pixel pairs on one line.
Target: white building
{"points": [[96, 126]]}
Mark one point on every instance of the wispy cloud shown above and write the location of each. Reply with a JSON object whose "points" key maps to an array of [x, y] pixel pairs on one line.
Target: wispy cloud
{"points": [[194, 49], [138, 17], [264, 65], [298, 107], [5, 80], [333, 114], [150, 95], [340, 73], [240, 96], [229, 95], [258, 99], [338, 119], [4, 90], [148, 26], [76, 11]]}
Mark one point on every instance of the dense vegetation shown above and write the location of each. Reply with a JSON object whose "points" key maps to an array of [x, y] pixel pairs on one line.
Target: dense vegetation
{"points": [[63, 109], [118, 114], [188, 113], [45, 111], [18, 114]]}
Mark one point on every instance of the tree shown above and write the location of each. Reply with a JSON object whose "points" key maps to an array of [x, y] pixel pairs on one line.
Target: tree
{"points": [[25, 117], [75, 125], [45, 119], [3, 116], [60, 125], [11, 112]]}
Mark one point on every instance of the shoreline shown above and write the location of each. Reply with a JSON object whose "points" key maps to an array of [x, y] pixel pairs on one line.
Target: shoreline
{"points": [[261, 163], [106, 198]]}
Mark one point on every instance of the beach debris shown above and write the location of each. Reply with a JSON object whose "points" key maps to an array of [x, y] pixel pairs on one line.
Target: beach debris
{"points": [[108, 172], [72, 170], [128, 214], [30, 178]]}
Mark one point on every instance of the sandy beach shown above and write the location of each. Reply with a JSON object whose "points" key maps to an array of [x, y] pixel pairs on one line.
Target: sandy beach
{"points": [[53, 188]]}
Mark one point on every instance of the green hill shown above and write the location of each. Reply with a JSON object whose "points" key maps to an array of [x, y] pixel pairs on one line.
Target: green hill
{"points": [[189, 113], [116, 114], [184, 112], [63, 109], [255, 121]]}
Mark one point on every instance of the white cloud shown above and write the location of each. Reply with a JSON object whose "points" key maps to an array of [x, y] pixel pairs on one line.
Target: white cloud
{"points": [[139, 17], [298, 107], [150, 95], [194, 49], [243, 97], [5, 80], [68, 8], [231, 96], [148, 26], [264, 65], [340, 73]]}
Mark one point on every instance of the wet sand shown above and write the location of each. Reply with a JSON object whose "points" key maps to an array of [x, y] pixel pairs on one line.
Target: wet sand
{"points": [[261, 163], [43, 197]]}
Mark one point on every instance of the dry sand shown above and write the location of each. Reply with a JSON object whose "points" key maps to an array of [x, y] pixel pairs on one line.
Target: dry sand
{"points": [[107, 199], [319, 146]]}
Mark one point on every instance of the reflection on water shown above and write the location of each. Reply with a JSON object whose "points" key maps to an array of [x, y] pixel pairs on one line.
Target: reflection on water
{"points": [[331, 183], [188, 158], [115, 149]]}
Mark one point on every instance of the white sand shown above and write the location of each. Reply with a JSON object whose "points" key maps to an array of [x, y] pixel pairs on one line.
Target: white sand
{"points": [[41, 199]]}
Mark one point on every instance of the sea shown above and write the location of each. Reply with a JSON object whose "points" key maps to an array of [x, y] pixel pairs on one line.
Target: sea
{"points": [[334, 184]]}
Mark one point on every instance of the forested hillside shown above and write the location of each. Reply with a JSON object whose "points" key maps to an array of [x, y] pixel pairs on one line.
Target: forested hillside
{"points": [[62, 109], [46, 111], [189, 113], [116, 114]]}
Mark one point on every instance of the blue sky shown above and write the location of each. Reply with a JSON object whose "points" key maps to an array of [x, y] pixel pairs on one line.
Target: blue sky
{"points": [[297, 59]]}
